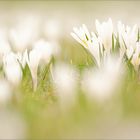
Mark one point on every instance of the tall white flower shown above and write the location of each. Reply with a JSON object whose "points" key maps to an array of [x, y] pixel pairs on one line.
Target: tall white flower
{"points": [[105, 32], [12, 69], [40, 54], [33, 63], [131, 36], [129, 45]]}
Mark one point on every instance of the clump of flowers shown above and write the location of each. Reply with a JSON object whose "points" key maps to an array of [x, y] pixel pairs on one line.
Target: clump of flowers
{"points": [[105, 42], [98, 44], [21, 47]]}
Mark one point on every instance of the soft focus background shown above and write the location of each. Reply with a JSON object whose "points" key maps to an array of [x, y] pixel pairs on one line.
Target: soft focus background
{"points": [[38, 115], [72, 13]]}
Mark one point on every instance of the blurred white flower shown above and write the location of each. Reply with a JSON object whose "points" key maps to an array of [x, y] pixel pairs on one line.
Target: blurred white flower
{"points": [[105, 32], [5, 91], [41, 53], [45, 50], [4, 48], [65, 82], [12, 126], [23, 34], [56, 49], [53, 30], [12, 69], [4, 45], [101, 83], [33, 63]]}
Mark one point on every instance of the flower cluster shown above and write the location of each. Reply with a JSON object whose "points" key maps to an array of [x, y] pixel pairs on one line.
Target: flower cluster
{"points": [[20, 47], [105, 41]]}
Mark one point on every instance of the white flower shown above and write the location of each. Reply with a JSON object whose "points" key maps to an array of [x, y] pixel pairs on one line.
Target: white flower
{"points": [[96, 49], [129, 44], [90, 42], [5, 91], [82, 35], [4, 45], [33, 63], [99, 45], [100, 84], [12, 69], [131, 36], [128, 39], [23, 34], [41, 53], [121, 32], [65, 82], [105, 32], [45, 50], [4, 48]]}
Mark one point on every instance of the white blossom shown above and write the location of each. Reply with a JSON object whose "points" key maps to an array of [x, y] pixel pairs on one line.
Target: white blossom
{"points": [[89, 41], [40, 54], [128, 39], [65, 82], [105, 32], [12, 69], [23, 34], [33, 63], [5, 91], [101, 83], [4, 44], [82, 35], [44, 49]]}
